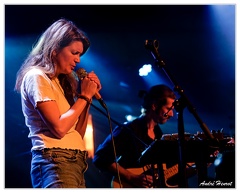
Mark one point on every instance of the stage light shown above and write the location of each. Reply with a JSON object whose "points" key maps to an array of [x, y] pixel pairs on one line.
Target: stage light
{"points": [[130, 117], [145, 70], [88, 137]]}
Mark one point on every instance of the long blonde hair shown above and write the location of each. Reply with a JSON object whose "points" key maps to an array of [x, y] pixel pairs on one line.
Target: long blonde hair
{"points": [[59, 35]]}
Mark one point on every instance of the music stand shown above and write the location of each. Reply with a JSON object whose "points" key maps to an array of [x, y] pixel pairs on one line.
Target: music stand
{"points": [[165, 151]]}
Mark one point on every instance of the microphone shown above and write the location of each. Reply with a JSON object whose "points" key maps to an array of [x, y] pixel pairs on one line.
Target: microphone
{"points": [[82, 73]]}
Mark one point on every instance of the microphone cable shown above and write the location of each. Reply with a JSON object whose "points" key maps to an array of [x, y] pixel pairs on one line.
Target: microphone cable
{"points": [[112, 138]]}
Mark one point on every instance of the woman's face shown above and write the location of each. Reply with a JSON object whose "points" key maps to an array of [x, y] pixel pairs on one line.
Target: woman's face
{"points": [[67, 59]]}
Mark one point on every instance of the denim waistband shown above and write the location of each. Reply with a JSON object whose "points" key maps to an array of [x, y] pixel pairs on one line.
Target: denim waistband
{"points": [[46, 150]]}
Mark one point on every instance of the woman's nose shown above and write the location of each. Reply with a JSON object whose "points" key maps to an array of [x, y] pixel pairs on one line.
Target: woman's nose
{"points": [[77, 59]]}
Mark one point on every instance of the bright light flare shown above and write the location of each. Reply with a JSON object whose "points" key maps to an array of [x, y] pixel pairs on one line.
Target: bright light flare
{"points": [[88, 137], [145, 70]]}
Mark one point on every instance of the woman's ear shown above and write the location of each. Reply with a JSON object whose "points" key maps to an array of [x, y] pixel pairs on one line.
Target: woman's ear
{"points": [[54, 53], [54, 56]]}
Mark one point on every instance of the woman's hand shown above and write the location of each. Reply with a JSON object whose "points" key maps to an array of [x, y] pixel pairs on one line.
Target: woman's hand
{"points": [[92, 76], [90, 85]]}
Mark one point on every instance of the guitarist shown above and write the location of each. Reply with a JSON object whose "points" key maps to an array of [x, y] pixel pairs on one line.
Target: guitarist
{"points": [[132, 138]]}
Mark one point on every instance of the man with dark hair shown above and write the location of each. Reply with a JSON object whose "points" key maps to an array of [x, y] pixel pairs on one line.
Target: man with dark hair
{"points": [[121, 158]]}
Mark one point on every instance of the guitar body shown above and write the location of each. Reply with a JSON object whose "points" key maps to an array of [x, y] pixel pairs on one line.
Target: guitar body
{"points": [[170, 175], [148, 170]]}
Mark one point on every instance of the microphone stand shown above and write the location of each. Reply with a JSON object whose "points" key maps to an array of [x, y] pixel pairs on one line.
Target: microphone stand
{"points": [[119, 124], [179, 105]]}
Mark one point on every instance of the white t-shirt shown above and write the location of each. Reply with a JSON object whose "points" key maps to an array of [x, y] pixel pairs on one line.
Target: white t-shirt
{"points": [[38, 87]]}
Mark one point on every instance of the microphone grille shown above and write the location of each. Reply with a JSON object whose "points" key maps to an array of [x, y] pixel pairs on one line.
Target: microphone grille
{"points": [[81, 73]]}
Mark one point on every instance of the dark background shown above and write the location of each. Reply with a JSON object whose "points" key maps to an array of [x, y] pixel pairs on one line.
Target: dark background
{"points": [[196, 42]]}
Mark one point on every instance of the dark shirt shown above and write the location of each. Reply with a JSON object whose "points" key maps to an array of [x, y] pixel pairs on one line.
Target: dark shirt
{"points": [[130, 140]]}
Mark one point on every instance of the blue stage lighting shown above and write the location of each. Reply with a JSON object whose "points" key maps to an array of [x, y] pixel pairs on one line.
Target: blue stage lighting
{"points": [[147, 68]]}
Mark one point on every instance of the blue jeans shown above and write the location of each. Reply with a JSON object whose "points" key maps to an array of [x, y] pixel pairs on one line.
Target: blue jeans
{"points": [[58, 168]]}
